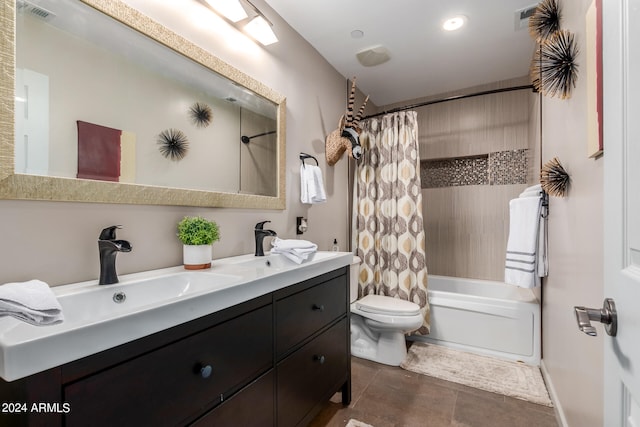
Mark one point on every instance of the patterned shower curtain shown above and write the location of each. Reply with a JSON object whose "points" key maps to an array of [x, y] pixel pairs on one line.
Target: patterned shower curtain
{"points": [[389, 230]]}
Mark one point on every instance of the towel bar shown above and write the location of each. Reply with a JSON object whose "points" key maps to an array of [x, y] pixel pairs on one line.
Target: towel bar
{"points": [[304, 156]]}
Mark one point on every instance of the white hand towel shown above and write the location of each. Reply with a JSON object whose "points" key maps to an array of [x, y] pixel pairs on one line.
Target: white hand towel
{"points": [[32, 302], [522, 246], [537, 187], [532, 193], [295, 250], [311, 185]]}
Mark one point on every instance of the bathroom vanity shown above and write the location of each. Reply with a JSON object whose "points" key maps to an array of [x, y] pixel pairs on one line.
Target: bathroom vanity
{"points": [[274, 359]]}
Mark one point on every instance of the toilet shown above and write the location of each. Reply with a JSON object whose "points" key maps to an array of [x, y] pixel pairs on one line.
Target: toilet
{"points": [[379, 324]]}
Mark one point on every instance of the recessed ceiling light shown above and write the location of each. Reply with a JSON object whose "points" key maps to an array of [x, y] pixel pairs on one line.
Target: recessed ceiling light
{"points": [[357, 34], [454, 23]]}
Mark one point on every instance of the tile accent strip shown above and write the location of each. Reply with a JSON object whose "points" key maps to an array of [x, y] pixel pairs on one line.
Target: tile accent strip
{"points": [[496, 168]]}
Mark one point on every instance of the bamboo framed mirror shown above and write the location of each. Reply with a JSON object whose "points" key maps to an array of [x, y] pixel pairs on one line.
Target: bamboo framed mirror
{"points": [[102, 63]]}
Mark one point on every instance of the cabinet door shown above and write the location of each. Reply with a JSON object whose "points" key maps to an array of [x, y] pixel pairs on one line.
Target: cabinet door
{"points": [[301, 315], [312, 374], [177, 382], [253, 406]]}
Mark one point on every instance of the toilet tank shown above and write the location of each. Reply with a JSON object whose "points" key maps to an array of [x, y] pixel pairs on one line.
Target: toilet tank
{"points": [[353, 279]]}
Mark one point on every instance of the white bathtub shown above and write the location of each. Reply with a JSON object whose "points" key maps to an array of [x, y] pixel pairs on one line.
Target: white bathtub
{"points": [[485, 317]]}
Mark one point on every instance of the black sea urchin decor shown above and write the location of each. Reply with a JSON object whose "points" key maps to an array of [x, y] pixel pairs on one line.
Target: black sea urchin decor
{"points": [[201, 114], [553, 68], [173, 144], [554, 179], [545, 21]]}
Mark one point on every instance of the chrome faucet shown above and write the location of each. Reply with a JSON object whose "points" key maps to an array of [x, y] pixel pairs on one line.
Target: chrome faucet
{"points": [[260, 234], [109, 248]]}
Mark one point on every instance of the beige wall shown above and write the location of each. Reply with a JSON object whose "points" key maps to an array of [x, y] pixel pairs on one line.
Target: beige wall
{"points": [[56, 242], [573, 360]]}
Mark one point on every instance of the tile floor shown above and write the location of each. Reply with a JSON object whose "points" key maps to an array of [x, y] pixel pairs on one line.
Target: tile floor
{"points": [[386, 396]]}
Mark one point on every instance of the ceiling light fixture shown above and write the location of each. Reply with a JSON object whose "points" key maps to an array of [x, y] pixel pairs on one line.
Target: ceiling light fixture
{"points": [[230, 9], [256, 26], [454, 23], [260, 29]]}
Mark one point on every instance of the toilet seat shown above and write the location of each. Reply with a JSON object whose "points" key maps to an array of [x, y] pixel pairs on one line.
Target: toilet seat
{"points": [[389, 306]]}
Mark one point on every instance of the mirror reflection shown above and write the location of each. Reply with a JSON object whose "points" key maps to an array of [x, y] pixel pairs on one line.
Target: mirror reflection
{"points": [[97, 100]]}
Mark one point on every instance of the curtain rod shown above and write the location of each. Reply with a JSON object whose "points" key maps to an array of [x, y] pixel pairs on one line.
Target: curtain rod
{"points": [[451, 98]]}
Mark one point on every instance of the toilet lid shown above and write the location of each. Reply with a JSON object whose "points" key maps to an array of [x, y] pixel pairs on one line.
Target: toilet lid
{"points": [[381, 304]]}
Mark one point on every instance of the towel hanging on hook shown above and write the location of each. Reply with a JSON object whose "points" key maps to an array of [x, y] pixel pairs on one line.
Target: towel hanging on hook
{"points": [[311, 182]]}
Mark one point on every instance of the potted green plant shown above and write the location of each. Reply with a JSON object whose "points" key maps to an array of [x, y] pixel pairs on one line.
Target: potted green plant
{"points": [[197, 235]]}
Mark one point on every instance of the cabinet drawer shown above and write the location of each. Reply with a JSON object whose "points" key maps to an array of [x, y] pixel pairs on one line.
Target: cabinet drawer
{"points": [[251, 407], [165, 387], [312, 373], [301, 315]]}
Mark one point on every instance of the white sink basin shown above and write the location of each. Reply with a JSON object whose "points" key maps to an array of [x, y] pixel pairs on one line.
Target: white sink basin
{"points": [[87, 304], [276, 262], [101, 317]]}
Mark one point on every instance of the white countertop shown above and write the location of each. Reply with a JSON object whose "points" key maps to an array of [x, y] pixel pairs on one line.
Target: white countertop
{"points": [[155, 300]]}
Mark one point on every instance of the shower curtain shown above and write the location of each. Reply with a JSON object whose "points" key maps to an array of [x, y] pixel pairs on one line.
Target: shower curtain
{"points": [[388, 225]]}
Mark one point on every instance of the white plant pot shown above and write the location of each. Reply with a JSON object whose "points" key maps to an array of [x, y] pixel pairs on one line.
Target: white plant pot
{"points": [[196, 257]]}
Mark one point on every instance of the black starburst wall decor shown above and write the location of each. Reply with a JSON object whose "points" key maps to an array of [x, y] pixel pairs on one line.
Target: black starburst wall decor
{"points": [[201, 114], [173, 144], [553, 69], [545, 21], [554, 178]]}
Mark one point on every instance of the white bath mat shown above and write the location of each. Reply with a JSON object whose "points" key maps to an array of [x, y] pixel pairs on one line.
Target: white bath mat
{"points": [[486, 373], [356, 423]]}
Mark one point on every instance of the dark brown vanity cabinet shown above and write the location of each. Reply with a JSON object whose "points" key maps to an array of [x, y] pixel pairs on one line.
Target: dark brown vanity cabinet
{"points": [[273, 360]]}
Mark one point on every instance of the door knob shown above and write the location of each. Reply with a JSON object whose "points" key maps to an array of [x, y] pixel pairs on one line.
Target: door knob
{"points": [[607, 315]]}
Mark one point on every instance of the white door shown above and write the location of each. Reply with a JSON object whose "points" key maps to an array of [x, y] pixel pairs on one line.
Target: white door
{"points": [[621, 62], [32, 122]]}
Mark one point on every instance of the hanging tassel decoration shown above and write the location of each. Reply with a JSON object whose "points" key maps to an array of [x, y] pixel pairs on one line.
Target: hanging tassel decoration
{"points": [[554, 178]]}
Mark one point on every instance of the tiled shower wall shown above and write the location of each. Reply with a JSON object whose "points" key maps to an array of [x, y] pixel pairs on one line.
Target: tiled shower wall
{"points": [[476, 154]]}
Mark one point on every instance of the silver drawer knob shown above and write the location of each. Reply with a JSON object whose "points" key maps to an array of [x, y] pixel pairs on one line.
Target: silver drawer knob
{"points": [[204, 371], [319, 358]]}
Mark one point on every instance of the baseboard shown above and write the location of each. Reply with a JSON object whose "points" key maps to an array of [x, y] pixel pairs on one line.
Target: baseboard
{"points": [[552, 394]]}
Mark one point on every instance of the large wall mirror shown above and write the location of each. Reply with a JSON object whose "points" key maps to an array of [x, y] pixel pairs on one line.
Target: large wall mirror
{"points": [[102, 104]]}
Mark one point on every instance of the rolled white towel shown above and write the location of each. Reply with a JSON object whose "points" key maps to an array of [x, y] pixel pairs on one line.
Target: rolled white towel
{"points": [[32, 302]]}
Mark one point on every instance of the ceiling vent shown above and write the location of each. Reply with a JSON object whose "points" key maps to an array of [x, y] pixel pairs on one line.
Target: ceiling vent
{"points": [[373, 56], [521, 17], [26, 7]]}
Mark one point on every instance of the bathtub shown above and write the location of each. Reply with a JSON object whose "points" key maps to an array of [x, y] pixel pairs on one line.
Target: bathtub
{"points": [[485, 317]]}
